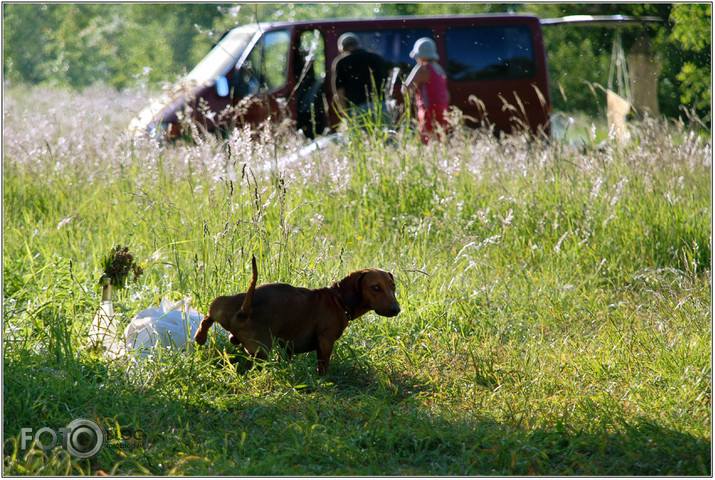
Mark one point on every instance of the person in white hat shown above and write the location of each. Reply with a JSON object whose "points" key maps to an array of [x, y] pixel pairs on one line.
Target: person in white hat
{"points": [[428, 82]]}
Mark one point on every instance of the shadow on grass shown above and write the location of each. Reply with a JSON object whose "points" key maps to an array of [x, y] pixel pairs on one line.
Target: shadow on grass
{"points": [[353, 422], [487, 447]]}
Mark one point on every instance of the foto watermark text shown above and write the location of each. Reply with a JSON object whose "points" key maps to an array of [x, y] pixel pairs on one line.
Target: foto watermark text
{"points": [[82, 438]]}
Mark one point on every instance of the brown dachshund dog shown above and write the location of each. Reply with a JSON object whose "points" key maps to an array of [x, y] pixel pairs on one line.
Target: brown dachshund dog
{"points": [[300, 319]]}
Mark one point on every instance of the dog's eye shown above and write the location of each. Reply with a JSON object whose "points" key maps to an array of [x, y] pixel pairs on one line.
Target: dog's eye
{"points": [[376, 288]]}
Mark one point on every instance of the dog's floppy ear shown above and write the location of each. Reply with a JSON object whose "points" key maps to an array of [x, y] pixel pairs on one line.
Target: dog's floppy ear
{"points": [[350, 289]]}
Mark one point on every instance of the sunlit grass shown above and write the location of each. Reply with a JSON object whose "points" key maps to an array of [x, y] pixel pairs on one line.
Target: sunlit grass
{"points": [[556, 308]]}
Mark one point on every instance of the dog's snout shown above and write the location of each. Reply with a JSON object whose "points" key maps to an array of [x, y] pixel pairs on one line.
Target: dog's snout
{"points": [[395, 309]]}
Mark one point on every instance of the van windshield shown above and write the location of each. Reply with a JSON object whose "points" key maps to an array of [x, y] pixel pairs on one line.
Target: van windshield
{"points": [[223, 56]]}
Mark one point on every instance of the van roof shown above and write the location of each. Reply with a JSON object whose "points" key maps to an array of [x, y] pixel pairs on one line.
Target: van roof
{"points": [[415, 19]]}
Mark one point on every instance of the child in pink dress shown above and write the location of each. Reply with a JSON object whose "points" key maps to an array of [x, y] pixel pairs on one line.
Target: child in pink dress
{"points": [[428, 81]]}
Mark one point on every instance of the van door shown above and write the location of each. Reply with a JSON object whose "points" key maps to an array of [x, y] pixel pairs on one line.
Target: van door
{"points": [[308, 97], [261, 83]]}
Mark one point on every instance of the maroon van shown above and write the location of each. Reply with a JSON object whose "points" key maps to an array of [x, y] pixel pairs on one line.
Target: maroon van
{"points": [[496, 68]]}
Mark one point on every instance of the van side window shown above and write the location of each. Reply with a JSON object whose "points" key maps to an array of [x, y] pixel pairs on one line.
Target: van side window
{"points": [[393, 45], [275, 58], [490, 53], [312, 43], [267, 64]]}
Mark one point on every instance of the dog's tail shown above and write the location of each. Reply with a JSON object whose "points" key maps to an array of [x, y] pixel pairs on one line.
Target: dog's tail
{"points": [[248, 300]]}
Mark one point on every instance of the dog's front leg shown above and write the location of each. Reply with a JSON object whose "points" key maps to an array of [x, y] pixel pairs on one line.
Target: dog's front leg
{"points": [[325, 350]]}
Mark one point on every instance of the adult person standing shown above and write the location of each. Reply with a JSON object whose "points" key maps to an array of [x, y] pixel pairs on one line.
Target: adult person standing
{"points": [[428, 81], [358, 76]]}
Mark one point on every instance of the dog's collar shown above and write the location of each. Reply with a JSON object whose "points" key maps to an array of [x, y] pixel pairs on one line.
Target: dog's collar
{"points": [[341, 302]]}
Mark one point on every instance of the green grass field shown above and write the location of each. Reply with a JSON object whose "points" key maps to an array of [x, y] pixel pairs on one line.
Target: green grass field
{"points": [[556, 302]]}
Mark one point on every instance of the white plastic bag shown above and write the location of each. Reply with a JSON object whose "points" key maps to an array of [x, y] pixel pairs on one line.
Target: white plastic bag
{"points": [[169, 325]]}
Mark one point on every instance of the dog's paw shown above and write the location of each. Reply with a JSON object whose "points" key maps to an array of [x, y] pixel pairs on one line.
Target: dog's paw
{"points": [[200, 337]]}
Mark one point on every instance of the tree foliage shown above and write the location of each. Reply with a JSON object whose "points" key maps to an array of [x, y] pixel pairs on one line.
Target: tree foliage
{"points": [[692, 29], [125, 44]]}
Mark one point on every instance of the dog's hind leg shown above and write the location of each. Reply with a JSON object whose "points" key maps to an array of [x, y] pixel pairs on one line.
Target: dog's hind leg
{"points": [[203, 330]]}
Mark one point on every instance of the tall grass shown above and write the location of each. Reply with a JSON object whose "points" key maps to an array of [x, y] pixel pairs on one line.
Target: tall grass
{"points": [[556, 301]]}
